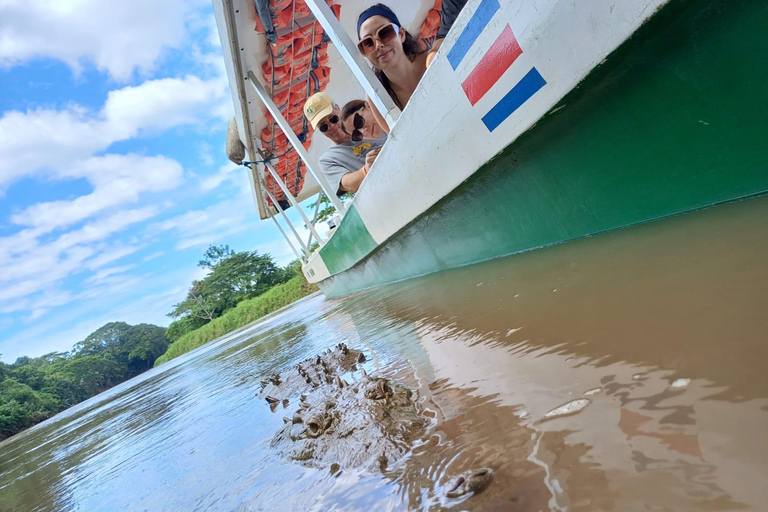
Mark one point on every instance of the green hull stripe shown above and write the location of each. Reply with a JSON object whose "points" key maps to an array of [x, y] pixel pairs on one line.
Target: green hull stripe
{"points": [[674, 121], [350, 244]]}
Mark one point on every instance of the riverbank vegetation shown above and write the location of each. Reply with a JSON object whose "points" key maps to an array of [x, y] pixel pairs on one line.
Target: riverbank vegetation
{"points": [[244, 313], [34, 389], [238, 288]]}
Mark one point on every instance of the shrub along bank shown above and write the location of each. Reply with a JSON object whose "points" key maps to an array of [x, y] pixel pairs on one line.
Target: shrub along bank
{"points": [[244, 313]]}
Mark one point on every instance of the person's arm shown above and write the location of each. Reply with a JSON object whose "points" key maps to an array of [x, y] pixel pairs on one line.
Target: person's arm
{"points": [[351, 181], [377, 115], [448, 15], [433, 51]]}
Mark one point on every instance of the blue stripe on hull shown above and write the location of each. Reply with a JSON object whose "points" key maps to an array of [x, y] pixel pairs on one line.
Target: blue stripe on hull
{"points": [[472, 31], [519, 94]]}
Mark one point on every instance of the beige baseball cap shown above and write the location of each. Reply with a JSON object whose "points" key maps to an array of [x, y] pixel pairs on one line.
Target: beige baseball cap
{"points": [[317, 107]]}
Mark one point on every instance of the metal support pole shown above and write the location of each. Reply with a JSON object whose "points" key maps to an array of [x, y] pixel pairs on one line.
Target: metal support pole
{"points": [[294, 140], [297, 253], [314, 218], [290, 224], [292, 200], [356, 62]]}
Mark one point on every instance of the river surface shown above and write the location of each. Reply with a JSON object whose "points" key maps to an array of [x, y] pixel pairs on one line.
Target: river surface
{"points": [[659, 331]]}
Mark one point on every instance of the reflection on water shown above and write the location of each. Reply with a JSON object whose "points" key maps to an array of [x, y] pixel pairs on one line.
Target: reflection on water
{"points": [[621, 372]]}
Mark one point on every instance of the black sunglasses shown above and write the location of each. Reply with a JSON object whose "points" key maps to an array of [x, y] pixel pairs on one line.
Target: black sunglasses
{"points": [[323, 127], [358, 122]]}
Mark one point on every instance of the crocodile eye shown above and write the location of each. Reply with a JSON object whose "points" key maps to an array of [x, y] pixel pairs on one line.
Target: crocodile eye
{"points": [[384, 388], [314, 427]]}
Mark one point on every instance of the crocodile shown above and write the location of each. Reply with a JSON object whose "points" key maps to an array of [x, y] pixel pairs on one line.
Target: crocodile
{"points": [[346, 418]]}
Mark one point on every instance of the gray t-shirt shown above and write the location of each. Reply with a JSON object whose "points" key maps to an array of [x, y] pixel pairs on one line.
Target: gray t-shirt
{"points": [[346, 157]]}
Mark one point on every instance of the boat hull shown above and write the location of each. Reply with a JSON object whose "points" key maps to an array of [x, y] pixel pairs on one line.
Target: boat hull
{"points": [[674, 121]]}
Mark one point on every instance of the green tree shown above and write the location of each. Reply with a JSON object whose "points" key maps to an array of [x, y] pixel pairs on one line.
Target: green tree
{"points": [[133, 347], [326, 209], [182, 326], [233, 277], [30, 375], [22, 407], [214, 254], [145, 343], [33, 389]]}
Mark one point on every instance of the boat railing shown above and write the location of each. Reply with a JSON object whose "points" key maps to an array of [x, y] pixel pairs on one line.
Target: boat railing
{"points": [[282, 122], [375, 92], [285, 126]]}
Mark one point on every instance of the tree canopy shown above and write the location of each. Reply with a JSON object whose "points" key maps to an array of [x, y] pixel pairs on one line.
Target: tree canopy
{"points": [[232, 277], [33, 389]]}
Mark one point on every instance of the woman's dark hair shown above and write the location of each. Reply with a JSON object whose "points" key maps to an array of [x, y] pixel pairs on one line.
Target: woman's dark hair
{"points": [[411, 45], [349, 109]]}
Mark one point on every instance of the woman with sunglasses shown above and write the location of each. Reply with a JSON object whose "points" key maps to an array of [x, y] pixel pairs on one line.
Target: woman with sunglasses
{"points": [[398, 58], [346, 163], [358, 122]]}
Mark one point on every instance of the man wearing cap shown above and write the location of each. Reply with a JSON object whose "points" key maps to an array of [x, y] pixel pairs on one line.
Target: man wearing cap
{"points": [[346, 163]]}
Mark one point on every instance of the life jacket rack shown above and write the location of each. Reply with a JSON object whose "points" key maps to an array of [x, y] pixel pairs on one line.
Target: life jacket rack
{"points": [[296, 68]]}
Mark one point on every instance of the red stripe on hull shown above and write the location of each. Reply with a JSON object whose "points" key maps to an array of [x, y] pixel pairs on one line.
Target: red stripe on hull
{"points": [[502, 53]]}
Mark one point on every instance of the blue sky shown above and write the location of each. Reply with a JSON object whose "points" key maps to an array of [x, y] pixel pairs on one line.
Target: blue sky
{"points": [[113, 178]]}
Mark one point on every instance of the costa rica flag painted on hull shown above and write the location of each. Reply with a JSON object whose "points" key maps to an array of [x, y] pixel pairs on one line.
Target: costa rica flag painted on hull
{"points": [[499, 57]]}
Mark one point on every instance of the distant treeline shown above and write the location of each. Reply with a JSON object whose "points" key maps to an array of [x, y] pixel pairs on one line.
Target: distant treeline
{"points": [[247, 311], [34, 389]]}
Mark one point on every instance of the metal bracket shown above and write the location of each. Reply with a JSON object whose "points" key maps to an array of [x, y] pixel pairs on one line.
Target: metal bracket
{"points": [[290, 225], [292, 200]]}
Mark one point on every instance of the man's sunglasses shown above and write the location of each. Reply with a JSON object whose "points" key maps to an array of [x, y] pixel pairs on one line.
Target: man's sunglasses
{"points": [[323, 127], [385, 34], [358, 122]]}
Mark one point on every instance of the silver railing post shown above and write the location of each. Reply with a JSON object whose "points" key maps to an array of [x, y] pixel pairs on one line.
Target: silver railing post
{"points": [[356, 62], [297, 253], [290, 224], [314, 218], [294, 140], [292, 200]]}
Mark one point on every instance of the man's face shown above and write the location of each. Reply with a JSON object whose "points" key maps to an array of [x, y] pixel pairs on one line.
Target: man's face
{"points": [[334, 131]]}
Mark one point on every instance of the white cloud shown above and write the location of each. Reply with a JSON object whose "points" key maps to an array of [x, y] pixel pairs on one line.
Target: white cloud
{"points": [[67, 136], [60, 330], [73, 135], [227, 172], [36, 260], [118, 37], [101, 275], [117, 179], [110, 254], [152, 256], [60, 272], [157, 105], [198, 228], [30, 269], [204, 150]]}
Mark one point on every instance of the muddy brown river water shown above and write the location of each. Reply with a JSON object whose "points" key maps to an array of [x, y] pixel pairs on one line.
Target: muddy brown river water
{"points": [[655, 338]]}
